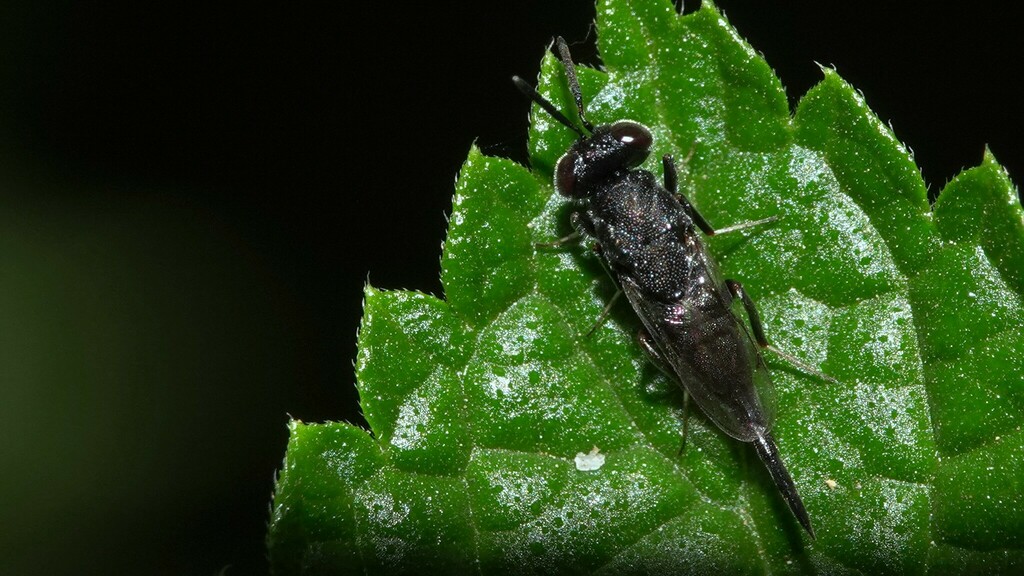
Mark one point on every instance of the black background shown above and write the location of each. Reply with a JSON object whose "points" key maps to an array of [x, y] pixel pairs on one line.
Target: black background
{"points": [[192, 196]]}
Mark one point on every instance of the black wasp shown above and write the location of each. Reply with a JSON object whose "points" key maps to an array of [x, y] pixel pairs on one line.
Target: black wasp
{"points": [[646, 234]]}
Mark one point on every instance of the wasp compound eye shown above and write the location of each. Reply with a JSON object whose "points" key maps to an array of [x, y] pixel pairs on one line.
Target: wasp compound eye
{"points": [[565, 174], [635, 138]]}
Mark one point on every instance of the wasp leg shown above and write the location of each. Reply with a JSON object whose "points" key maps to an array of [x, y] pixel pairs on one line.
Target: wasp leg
{"points": [[651, 349], [604, 314], [584, 227], [686, 422], [737, 291], [581, 227], [671, 178], [745, 225], [672, 185], [669, 174], [568, 239], [755, 323], [581, 221]]}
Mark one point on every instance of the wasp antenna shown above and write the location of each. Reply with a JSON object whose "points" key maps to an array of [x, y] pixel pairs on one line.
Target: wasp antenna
{"points": [[543, 102], [574, 83], [769, 454]]}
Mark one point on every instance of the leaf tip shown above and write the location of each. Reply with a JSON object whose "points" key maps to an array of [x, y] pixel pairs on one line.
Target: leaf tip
{"points": [[988, 158], [710, 6]]}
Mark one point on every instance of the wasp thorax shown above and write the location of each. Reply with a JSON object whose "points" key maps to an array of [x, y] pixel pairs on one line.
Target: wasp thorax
{"points": [[610, 149]]}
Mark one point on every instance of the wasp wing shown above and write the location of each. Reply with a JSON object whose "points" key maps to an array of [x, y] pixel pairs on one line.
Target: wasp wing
{"points": [[712, 354]]}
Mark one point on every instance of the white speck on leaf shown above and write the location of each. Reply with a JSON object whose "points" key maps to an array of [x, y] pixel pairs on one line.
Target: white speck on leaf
{"points": [[589, 462]]}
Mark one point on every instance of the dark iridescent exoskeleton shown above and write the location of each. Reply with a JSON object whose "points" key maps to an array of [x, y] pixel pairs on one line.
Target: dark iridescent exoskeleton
{"points": [[646, 233]]}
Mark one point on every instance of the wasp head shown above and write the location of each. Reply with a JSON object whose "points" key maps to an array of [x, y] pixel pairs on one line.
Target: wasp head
{"points": [[608, 150]]}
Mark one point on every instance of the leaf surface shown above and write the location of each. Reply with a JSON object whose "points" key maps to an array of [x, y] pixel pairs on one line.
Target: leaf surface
{"points": [[480, 403]]}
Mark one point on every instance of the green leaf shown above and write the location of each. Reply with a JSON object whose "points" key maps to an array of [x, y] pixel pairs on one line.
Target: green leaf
{"points": [[480, 403]]}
